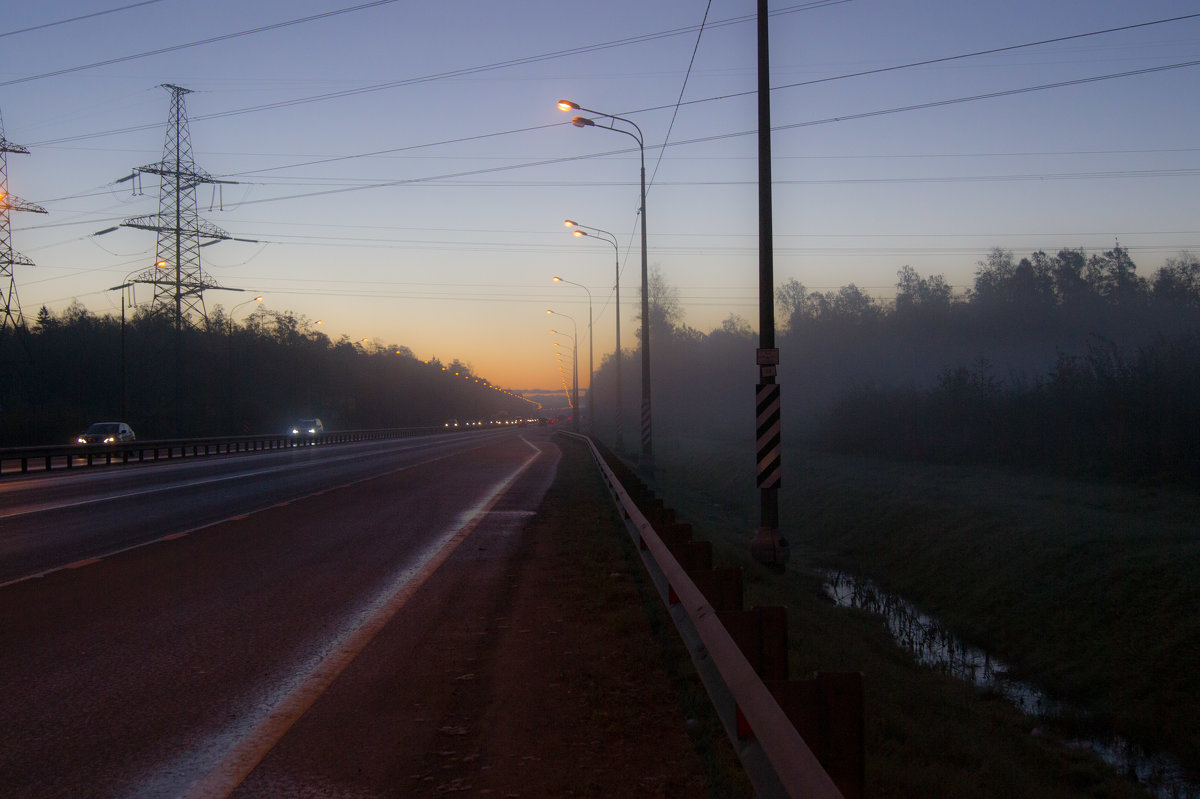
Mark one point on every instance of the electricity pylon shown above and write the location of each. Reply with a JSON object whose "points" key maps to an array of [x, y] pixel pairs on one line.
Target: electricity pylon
{"points": [[179, 282], [8, 258]]}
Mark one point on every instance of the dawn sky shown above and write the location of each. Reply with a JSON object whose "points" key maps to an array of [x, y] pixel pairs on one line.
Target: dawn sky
{"points": [[406, 172]]}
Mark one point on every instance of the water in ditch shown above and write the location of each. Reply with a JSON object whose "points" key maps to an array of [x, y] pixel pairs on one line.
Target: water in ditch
{"points": [[932, 645]]}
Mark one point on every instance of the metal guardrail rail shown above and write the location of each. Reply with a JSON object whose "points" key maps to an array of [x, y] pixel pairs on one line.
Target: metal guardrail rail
{"points": [[777, 760], [23, 460]]}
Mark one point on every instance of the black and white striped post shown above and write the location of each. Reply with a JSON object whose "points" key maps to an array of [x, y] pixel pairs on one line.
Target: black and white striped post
{"points": [[767, 428], [768, 547]]}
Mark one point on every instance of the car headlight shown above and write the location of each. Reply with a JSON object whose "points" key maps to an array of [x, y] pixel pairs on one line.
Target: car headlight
{"points": [[110, 439], [81, 440]]}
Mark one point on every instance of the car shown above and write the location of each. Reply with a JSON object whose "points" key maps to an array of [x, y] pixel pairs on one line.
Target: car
{"points": [[106, 433], [307, 427]]}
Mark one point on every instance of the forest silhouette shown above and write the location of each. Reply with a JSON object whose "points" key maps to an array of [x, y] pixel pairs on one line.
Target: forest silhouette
{"points": [[218, 377], [1068, 363]]}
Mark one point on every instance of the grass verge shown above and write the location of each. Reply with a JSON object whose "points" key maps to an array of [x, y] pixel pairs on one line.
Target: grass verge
{"points": [[612, 592], [967, 545]]}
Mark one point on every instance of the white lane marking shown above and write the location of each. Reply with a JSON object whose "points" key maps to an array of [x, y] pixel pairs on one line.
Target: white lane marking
{"points": [[238, 517], [247, 753]]}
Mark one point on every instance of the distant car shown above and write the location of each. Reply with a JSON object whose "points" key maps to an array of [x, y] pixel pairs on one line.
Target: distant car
{"points": [[307, 427], [106, 433]]}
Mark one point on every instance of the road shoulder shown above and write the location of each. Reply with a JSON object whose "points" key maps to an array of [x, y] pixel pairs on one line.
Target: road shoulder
{"points": [[535, 662]]}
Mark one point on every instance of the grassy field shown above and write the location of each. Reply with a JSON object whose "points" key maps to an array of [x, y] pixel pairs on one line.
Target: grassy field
{"points": [[1093, 592]]}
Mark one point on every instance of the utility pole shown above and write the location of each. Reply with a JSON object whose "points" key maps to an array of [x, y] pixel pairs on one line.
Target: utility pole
{"points": [[768, 547], [8, 258]]}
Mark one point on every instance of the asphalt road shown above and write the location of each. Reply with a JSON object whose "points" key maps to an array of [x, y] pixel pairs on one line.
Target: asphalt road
{"points": [[163, 627]]}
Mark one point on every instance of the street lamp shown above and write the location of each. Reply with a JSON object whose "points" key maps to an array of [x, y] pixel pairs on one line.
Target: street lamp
{"points": [[567, 383], [591, 358], [128, 283], [574, 356], [579, 232], [647, 459], [239, 305], [121, 288], [230, 415]]}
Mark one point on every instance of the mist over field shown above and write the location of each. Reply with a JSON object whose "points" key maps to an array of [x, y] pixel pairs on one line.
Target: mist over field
{"points": [[1048, 359]]}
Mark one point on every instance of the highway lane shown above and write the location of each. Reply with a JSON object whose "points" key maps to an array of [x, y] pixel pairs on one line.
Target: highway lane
{"points": [[158, 668], [48, 521]]}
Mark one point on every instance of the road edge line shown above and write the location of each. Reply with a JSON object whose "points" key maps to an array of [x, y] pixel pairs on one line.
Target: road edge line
{"points": [[221, 781]]}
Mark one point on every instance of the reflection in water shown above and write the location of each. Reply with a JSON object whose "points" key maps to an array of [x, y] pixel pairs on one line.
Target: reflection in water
{"points": [[932, 645]]}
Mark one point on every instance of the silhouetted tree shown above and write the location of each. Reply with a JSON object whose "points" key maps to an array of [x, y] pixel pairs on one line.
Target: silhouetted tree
{"points": [[1178, 282], [793, 303], [930, 296], [1113, 276]]}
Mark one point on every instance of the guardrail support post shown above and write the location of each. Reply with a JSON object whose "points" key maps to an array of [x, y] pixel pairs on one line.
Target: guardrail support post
{"points": [[761, 634], [827, 711], [721, 587]]}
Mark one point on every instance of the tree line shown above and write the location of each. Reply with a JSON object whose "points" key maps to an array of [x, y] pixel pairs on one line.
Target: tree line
{"points": [[218, 377], [1070, 362]]}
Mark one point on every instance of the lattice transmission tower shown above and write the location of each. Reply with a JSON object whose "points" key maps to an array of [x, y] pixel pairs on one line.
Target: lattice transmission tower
{"points": [[8, 258], [179, 282]]}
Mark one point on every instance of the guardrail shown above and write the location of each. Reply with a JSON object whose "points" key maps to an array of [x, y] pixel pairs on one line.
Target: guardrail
{"points": [[751, 706], [22, 460]]}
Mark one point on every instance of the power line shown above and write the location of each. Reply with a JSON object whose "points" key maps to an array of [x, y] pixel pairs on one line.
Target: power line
{"points": [[45, 25], [608, 45], [682, 89], [211, 40], [780, 88], [995, 178], [931, 61], [723, 136], [581, 50]]}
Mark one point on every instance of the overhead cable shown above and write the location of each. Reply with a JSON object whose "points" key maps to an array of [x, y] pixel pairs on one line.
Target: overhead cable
{"points": [[56, 23], [639, 39], [211, 40]]}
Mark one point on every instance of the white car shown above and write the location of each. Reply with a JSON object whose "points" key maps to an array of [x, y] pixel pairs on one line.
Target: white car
{"points": [[106, 433], [307, 427]]}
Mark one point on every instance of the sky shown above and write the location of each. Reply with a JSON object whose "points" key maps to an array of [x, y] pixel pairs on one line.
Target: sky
{"points": [[404, 172]]}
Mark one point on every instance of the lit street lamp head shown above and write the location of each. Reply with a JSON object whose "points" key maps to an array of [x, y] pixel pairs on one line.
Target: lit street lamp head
{"points": [[569, 223], [582, 122], [557, 279], [567, 105], [579, 233]]}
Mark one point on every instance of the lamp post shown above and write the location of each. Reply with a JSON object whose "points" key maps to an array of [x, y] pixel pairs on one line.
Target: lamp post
{"points": [[122, 288], [647, 458], [230, 420], [575, 359], [591, 358], [611, 239], [567, 383], [128, 283]]}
